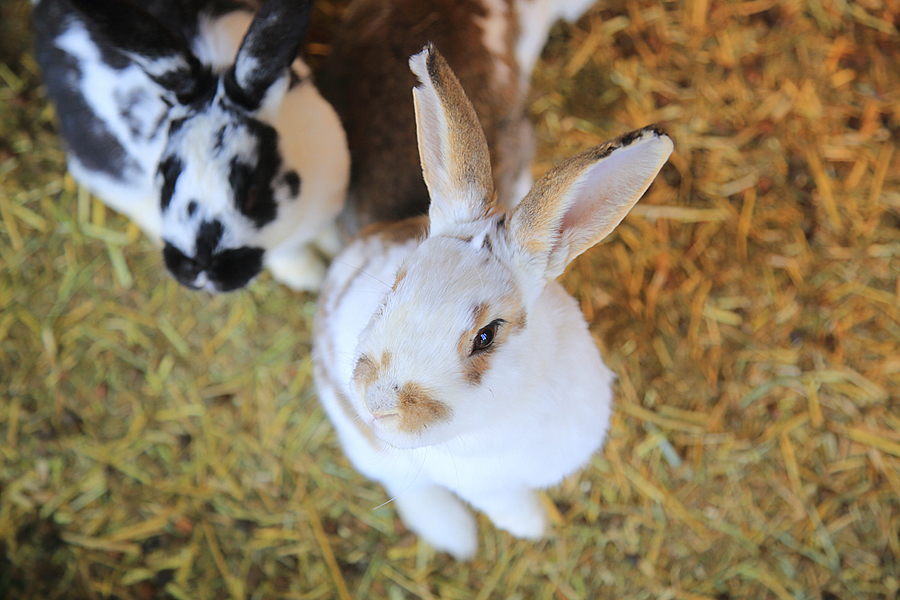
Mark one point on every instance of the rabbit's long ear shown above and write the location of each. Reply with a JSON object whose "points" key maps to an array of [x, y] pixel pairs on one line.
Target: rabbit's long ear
{"points": [[269, 47], [452, 147], [580, 201], [164, 57]]}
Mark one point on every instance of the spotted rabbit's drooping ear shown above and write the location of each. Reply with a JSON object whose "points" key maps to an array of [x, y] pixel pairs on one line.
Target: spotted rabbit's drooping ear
{"points": [[163, 56], [456, 163], [580, 201], [270, 46]]}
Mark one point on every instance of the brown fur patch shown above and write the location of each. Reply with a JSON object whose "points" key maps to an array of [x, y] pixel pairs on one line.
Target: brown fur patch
{"points": [[365, 372], [400, 277], [479, 314], [326, 347], [476, 366], [514, 319], [368, 81], [418, 408], [399, 232]]}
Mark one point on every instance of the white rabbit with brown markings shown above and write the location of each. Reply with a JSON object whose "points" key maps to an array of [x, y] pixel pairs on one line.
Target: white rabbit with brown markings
{"points": [[198, 121], [454, 367]]}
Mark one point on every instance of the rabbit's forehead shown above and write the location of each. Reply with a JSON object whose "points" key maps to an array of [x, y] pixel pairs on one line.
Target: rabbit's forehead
{"points": [[446, 268], [446, 289], [216, 137]]}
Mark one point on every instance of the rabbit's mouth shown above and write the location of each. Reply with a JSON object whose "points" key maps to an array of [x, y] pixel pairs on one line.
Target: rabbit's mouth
{"points": [[381, 424]]}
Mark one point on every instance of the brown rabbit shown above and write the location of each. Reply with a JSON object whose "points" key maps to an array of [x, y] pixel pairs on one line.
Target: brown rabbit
{"points": [[491, 45]]}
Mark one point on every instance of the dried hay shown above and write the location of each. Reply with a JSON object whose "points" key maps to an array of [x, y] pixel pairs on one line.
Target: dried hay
{"points": [[162, 444]]}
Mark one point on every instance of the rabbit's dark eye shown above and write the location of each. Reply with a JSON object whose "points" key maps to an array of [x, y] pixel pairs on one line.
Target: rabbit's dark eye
{"points": [[485, 337]]}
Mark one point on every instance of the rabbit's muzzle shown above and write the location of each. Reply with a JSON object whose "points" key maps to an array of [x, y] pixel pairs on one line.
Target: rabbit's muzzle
{"points": [[212, 268]]}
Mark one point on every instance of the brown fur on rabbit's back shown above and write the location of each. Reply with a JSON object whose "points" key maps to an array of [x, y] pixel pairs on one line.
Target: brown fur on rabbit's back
{"points": [[368, 81]]}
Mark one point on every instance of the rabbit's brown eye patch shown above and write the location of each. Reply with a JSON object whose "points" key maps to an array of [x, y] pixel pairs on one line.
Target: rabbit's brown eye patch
{"points": [[485, 336]]}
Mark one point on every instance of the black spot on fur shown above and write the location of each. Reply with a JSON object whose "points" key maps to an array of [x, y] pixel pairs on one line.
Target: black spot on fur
{"points": [[133, 31], [228, 270], [176, 125], [208, 238], [182, 268], [271, 44], [86, 135], [252, 185], [235, 267], [170, 169], [219, 142], [292, 180], [192, 208]]}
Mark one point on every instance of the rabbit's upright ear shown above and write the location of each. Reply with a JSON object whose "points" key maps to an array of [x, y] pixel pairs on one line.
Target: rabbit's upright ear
{"points": [[269, 47], [163, 56], [456, 163], [580, 201]]}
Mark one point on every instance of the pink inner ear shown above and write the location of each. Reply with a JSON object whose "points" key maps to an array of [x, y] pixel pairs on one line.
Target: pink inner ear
{"points": [[607, 190]]}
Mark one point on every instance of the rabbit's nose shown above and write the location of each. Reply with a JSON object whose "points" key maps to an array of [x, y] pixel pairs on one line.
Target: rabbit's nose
{"points": [[381, 399]]}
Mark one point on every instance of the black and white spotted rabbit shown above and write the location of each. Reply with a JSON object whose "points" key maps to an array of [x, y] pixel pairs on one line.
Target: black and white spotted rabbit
{"points": [[198, 121]]}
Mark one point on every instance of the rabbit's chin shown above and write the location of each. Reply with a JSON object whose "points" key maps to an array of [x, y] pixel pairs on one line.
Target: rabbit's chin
{"points": [[387, 429]]}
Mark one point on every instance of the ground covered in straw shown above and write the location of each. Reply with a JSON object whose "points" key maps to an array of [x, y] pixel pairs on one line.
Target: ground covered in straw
{"points": [[161, 444]]}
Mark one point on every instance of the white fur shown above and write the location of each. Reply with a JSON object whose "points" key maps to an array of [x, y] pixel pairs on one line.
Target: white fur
{"points": [[219, 38], [535, 19], [538, 410], [496, 26]]}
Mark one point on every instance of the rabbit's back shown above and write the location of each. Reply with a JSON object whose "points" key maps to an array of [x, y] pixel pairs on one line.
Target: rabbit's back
{"points": [[368, 81]]}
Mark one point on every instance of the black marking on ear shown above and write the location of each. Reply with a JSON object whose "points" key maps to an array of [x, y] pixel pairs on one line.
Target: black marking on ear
{"points": [[292, 180], [170, 169], [269, 47]]}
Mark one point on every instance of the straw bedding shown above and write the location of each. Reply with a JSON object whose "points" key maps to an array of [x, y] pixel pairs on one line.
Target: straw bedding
{"points": [[161, 444]]}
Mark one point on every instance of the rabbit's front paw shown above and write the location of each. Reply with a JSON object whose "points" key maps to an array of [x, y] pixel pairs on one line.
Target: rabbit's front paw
{"points": [[301, 269], [441, 519], [520, 513]]}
